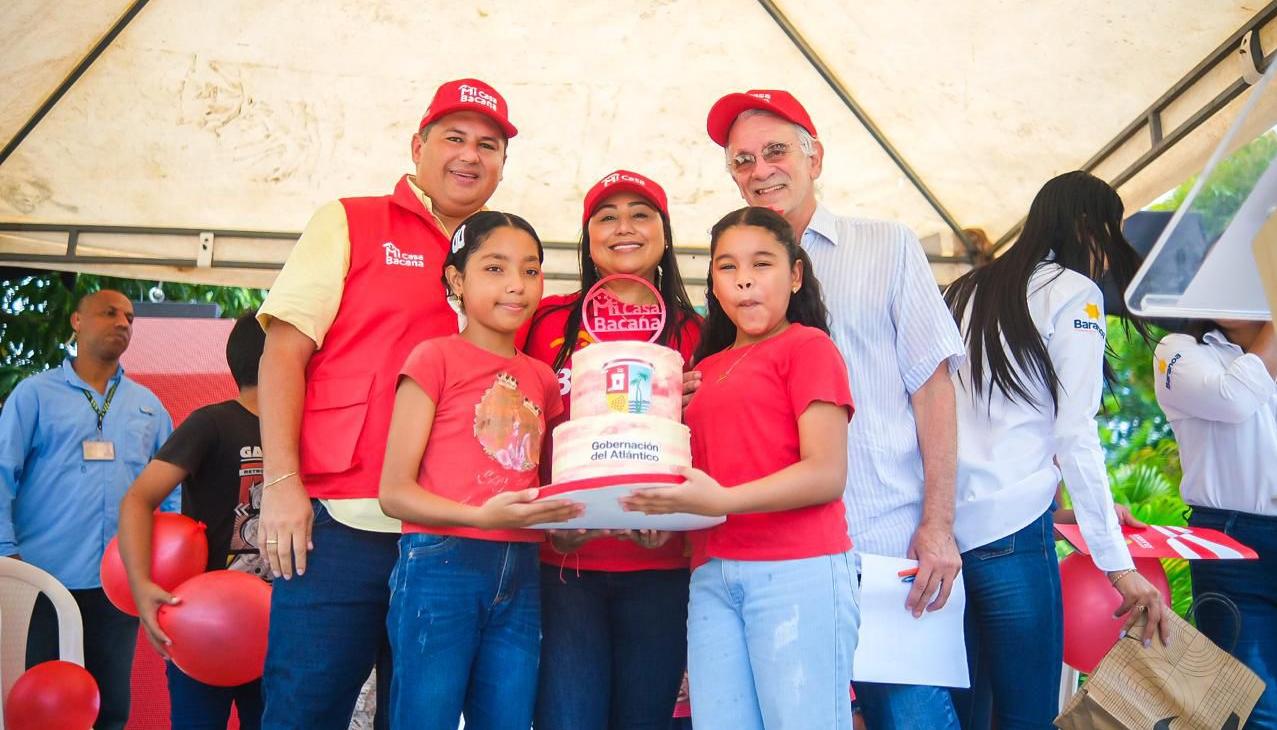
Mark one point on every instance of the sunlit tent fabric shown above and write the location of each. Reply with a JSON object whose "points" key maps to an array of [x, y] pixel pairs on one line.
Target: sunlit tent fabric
{"points": [[200, 136]]}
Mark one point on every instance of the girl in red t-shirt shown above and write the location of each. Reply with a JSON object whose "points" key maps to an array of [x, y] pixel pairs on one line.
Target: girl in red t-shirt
{"points": [[461, 472], [772, 619], [614, 607]]}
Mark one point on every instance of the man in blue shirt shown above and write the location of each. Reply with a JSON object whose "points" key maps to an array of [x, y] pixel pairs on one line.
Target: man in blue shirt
{"points": [[72, 439]]}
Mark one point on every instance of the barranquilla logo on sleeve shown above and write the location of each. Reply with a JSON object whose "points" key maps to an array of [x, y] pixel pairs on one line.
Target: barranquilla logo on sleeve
{"points": [[1164, 368], [1090, 319]]}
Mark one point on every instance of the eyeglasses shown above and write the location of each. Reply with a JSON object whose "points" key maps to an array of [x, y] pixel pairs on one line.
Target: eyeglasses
{"points": [[772, 154]]}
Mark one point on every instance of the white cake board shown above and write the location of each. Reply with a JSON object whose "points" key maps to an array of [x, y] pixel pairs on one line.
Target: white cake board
{"points": [[602, 499]]}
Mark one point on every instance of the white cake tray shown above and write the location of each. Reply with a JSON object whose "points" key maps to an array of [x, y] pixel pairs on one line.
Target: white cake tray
{"points": [[601, 497]]}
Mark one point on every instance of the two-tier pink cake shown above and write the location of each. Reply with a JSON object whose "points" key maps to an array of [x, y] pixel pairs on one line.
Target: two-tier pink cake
{"points": [[627, 405]]}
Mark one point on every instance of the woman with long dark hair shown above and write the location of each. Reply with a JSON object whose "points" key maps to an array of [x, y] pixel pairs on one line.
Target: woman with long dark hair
{"points": [[1033, 322], [614, 607], [1216, 385]]}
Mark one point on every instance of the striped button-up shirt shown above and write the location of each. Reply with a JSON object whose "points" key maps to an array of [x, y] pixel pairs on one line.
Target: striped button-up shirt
{"points": [[894, 330]]}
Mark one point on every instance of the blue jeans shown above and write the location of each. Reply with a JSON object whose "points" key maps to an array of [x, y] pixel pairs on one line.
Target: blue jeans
{"points": [[1252, 585], [613, 648], [1014, 631], [110, 639], [328, 630], [465, 627], [770, 643], [905, 706], [198, 706]]}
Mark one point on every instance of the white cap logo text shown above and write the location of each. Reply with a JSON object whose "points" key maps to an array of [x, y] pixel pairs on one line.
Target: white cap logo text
{"points": [[618, 177], [471, 95]]}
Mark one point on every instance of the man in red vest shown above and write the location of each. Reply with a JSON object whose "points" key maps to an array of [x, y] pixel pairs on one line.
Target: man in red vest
{"points": [[359, 290]]}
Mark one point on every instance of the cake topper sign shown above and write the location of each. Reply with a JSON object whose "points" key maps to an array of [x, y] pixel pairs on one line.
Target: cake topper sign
{"points": [[605, 317]]}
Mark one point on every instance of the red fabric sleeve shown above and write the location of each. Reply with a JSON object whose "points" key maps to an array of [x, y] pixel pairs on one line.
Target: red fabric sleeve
{"points": [[818, 373], [426, 366]]}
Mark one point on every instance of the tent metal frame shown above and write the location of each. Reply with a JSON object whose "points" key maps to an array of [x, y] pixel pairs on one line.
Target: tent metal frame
{"points": [[70, 256], [71, 78], [1151, 118], [206, 237]]}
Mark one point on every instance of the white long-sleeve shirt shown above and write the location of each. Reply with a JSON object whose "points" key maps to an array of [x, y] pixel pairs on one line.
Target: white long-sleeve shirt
{"points": [[1008, 450], [1222, 405]]}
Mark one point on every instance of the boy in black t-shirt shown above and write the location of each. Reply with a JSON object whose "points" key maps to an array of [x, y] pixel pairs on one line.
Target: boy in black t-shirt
{"points": [[217, 455]]}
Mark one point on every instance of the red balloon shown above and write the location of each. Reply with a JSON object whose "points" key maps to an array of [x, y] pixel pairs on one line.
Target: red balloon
{"points": [[1089, 602], [179, 551], [219, 628], [53, 695]]}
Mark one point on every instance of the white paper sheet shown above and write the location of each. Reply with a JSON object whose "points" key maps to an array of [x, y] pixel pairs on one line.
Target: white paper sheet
{"points": [[896, 648]]}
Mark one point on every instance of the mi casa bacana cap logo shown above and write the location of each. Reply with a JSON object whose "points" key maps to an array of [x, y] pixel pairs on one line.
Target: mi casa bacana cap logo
{"points": [[468, 94], [761, 95], [617, 177]]}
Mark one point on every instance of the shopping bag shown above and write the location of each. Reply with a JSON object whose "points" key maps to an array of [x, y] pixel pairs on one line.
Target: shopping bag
{"points": [[1190, 684]]}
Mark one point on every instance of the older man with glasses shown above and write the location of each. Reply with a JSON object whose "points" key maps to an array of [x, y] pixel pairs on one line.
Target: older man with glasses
{"points": [[899, 341]]}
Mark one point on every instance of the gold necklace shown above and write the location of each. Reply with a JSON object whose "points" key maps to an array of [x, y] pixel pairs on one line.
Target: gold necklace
{"points": [[739, 360]]}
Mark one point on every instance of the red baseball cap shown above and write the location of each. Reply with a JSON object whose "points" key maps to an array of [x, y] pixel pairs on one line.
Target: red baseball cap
{"points": [[469, 95], [781, 103], [624, 181]]}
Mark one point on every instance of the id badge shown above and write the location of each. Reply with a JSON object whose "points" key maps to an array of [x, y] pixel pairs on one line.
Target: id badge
{"points": [[98, 450]]}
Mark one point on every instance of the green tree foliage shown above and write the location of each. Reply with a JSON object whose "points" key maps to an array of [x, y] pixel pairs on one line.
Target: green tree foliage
{"points": [[1228, 185], [35, 314]]}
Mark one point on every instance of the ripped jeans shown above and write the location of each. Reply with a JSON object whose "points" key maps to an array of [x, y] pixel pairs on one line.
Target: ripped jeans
{"points": [[465, 632], [770, 643]]}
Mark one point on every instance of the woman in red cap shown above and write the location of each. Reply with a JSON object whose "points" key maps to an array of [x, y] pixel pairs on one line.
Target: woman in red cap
{"points": [[614, 607]]}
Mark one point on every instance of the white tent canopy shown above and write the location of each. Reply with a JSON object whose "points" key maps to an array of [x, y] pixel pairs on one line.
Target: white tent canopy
{"points": [[190, 141]]}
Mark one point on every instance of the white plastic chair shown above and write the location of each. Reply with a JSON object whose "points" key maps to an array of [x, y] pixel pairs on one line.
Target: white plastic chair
{"points": [[20, 583]]}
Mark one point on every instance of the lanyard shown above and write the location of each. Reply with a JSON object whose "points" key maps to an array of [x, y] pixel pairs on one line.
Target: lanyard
{"points": [[106, 403]]}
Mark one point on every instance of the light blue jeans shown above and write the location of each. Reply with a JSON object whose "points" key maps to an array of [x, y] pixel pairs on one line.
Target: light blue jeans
{"points": [[770, 643]]}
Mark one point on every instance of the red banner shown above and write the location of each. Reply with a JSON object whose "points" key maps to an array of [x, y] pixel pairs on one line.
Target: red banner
{"points": [[1170, 541]]}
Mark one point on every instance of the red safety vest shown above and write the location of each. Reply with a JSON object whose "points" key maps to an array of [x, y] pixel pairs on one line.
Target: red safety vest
{"points": [[393, 298]]}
